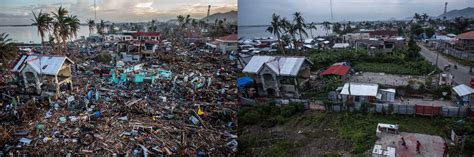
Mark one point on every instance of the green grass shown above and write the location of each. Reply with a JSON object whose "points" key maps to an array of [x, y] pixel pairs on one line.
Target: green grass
{"points": [[401, 61], [279, 149], [359, 128]]}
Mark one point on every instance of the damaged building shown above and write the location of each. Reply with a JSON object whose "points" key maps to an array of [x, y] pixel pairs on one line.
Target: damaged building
{"points": [[279, 76], [44, 74]]}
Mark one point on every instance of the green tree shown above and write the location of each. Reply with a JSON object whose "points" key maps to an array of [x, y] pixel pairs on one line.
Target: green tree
{"points": [[7, 50], [429, 32]]}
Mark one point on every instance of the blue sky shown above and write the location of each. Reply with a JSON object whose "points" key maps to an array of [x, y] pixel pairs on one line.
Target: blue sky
{"points": [[257, 12], [19, 11]]}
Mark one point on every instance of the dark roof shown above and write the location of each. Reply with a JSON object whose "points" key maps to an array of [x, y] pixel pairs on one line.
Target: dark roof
{"points": [[146, 34], [384, 32]]}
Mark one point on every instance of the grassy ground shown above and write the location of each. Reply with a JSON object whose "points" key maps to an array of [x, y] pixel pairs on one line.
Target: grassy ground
{"points": [[345, 133], [397, 62]]}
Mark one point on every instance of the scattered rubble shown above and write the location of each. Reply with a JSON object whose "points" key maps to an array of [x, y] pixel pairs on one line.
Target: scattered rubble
{"points": [[181, 103]]}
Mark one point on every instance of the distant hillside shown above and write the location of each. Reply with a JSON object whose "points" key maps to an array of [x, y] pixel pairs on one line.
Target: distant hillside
{"points": [[230, 16], [466, 12]]}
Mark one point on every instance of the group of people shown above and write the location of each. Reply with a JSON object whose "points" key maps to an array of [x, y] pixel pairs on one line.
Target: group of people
{"points": [[418, 147]]}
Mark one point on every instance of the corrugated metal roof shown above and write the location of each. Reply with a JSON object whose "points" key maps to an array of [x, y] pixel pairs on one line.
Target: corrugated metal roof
{"points": [[19, 64], [256, 64], [282, 66], [286, 66], [360, 89], [463, 90], [340, 70], [48, 65]]}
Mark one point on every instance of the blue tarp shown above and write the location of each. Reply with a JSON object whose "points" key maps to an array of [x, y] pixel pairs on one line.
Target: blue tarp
{"points": [[244, 81], [139, 78]]}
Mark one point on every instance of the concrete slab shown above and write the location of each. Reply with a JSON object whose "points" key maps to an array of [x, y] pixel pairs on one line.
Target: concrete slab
{"points": [[431, 146]]}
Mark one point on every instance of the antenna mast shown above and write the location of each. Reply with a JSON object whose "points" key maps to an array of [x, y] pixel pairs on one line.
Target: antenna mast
{"points": [[208, 11], [445, 7], [332, 18], [95, 12]]}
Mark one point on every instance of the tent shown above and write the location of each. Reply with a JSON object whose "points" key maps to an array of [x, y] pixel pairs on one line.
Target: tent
{"points": [[243, 82]]}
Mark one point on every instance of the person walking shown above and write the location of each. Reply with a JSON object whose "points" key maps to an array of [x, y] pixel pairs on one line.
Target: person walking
{"points": [[404, 144], [445, 152], [418, 145]]}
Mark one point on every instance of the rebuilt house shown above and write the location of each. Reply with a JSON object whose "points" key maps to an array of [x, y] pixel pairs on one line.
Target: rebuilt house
{"points": [[227, 43], [279, 76], [464, 94], [146, 36], [359, 93], [465, 42], [44, 74]]}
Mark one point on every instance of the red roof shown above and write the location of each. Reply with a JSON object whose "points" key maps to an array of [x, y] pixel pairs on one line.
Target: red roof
{"points": [[232, 37], [340, 70], [467, 35], [150, 34]]}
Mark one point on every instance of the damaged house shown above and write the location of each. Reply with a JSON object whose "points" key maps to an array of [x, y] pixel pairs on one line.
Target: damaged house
{"points": [[44, 74], [279, 76]]}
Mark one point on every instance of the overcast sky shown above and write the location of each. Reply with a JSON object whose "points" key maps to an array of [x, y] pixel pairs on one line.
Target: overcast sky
{"points": [[19, 11], [258, 12]]}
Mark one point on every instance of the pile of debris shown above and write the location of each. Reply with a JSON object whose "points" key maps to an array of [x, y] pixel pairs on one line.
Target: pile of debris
{"points": [[180, 104]]}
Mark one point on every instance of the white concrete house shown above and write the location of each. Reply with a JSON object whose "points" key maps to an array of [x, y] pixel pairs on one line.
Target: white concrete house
{"points": [[44, 74]]}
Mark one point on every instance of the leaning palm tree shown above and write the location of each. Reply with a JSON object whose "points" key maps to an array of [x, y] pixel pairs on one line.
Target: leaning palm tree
{"points": [[7, 49], [312, 26], [276, 28], [42, 22], [91, 24]]}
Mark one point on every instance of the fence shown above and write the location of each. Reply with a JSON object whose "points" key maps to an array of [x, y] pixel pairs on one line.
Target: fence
{"points": [[423, 110], [460, 54]]}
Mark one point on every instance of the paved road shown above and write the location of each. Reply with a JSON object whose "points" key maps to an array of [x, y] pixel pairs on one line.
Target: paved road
{"points": [[461, 75]]}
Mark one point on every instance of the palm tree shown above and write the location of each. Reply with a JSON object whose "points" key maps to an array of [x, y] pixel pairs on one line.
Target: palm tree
{"points": [[91, 24], [42, 22], [417, 17], [276, 28], [73, 23], [425, 17], [327, 26], [7, 50], [336, 28], [312, 26], [299, 25], [59, 25], [100, 28]]}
